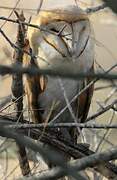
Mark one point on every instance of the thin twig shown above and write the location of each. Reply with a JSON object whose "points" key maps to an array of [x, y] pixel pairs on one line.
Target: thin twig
{"points": [[5, 101], [63, 125], [106, 132], [10, 13], [70, 108], [95, 9], [28, 24]]}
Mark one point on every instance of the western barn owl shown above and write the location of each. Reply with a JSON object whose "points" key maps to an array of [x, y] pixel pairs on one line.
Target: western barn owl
{"points": [[65, 37]]}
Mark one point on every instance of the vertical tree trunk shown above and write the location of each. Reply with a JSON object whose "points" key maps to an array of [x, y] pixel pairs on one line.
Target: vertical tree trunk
{"points": [[17, 91]]}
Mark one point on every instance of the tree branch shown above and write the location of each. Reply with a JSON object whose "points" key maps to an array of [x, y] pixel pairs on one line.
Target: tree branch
{"points": [[65, 71], [17, 91], [62, 144], [78, 165], [95, 9]]}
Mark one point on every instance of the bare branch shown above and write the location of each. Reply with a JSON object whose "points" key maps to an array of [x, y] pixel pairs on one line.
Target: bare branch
{"points": [[40, 5], [106, 108], [62, 144], [95, 9], [17, 92], [81, 125], [78, 165], [3, 102], [29, 143], [27, 24], [62, 71], [11, 13], [18, 8], [63, 125]]}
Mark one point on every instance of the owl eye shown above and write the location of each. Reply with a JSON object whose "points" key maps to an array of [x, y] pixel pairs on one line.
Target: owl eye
{"points": [[54, 30]]}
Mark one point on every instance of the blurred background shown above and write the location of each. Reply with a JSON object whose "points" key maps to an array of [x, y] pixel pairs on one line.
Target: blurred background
{"points": [[104, 23]]}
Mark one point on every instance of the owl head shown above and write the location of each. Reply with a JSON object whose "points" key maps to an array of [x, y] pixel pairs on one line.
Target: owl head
{"points": [[64, 36]]}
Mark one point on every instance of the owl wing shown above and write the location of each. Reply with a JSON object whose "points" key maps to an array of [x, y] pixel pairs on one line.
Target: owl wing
{"points": [[85, 98]]}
